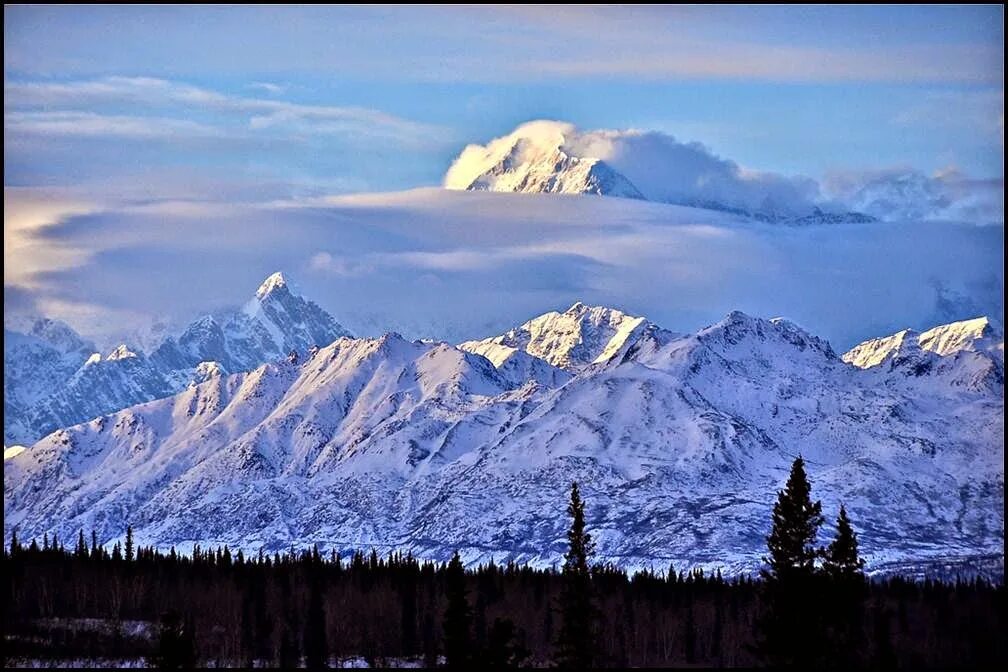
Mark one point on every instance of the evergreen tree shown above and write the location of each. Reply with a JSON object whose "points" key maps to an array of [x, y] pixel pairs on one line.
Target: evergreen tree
{"points": [[129, 543], [844, 597], [575, 645], [796, 521], [792, 632], [457, 616], [14, 545], [841, 560]]}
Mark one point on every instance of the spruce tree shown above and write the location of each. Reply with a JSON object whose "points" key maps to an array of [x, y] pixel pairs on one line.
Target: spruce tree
{"points": [[457, 617], [841, 560], [791, 624], [796, 521], [844, 604], [575, 645], [129, 543]]}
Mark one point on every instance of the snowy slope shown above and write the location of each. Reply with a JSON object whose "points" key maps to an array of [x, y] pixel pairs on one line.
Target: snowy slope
{"points": [[679, 441], [53, 378]]}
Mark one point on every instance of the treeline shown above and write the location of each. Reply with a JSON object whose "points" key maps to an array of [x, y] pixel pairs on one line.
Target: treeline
{"points": [[811, 608]]}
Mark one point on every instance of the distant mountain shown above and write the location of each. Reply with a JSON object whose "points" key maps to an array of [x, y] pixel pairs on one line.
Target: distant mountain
{"points": [[571, 340], [680, 443], [966, 354], [528, 166], [37, 363], [53, 378], [544, 157], [272, 324]]}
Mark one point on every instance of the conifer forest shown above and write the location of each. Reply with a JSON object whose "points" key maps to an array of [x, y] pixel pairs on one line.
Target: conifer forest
{"points": [[74, 602]]}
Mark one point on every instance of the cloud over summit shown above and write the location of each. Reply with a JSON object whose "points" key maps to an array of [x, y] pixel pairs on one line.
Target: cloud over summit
{"points": [[665, 169]]}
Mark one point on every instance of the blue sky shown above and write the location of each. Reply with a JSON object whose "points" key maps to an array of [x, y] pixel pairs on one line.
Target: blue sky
{"points": [[795, 90], [111, 107]]}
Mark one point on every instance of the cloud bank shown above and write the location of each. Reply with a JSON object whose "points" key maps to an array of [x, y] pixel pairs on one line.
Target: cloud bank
{"points": [[460, 265]]}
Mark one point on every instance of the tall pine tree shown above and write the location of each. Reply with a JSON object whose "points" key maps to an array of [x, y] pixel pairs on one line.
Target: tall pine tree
{"points": [[129, 543], [796, 521], [841, 560], [791, 624], [575, 645], [843, 605]]}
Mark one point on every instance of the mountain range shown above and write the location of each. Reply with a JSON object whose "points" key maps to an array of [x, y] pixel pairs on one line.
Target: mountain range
{"points": [[53, 378], [679, 441]]}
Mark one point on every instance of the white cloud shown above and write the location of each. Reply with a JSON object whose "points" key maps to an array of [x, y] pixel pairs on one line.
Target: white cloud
{"points": [[461, 265], [28, 214], [88, 124], [905, 194], [667, 170], [661, 167], [268, 88], [33, 107]]}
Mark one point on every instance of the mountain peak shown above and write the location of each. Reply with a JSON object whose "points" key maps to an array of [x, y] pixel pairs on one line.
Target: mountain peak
{"points": [[977, 334], [962, 335], [571, 340], [274, 283], [536, 158]]}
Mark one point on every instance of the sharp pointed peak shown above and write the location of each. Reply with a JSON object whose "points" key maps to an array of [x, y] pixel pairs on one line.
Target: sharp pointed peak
{"points": [[274, 283]]}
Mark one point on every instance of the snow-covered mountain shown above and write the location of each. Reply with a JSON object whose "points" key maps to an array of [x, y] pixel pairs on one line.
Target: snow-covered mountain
{"points": [[969, 354], [540, 164], [273, 323], [976, 335], [550, 157], [680, 443], [571, 340], [36, 363], [53, 378]]}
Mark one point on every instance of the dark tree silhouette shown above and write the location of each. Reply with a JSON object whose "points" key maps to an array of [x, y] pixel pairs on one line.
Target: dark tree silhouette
{"points": [[841, 560], [129, 543], [791, 623], [457, 617], [315, 627], [843, 598], [575, 647], [796, 521]]}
